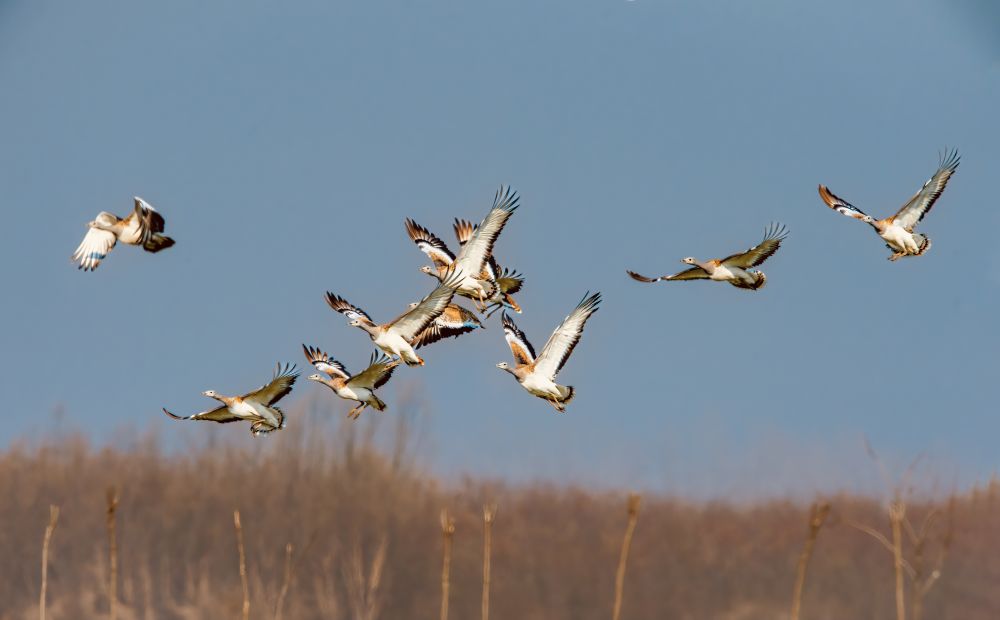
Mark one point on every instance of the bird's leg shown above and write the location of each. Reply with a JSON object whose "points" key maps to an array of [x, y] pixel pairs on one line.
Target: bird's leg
{"points": [[896, 256], [555, 405]]}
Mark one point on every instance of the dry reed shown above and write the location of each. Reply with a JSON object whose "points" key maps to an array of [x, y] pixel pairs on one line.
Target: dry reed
{"points": [[634, 500], [285, 582], [817, 515], [447, 533], [362, 590], [49, 529], [112, 498], [243, 564], [489, 514]]}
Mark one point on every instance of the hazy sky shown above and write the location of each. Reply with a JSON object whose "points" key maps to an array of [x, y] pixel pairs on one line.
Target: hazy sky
{"points": [[286, 142]]}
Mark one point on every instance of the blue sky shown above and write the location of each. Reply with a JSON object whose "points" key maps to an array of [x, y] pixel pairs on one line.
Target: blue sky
{"points": [[286, 142]]}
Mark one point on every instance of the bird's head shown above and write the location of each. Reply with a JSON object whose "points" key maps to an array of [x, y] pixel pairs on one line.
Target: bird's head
{"points": [[314, 377], [413, 305], [210, 393], [427, 269], [503, 366], [867, 219], [688, 261], [355, 323]]}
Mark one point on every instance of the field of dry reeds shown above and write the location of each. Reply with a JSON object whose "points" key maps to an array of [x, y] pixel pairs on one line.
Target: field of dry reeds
{"points": [[333, 520]]}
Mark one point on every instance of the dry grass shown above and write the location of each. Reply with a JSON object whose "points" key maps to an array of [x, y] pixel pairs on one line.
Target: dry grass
{"points": [[348, 507]]}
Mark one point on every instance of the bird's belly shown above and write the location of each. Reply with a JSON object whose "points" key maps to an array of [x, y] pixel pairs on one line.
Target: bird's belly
{"points": [[263, 412], [899, 239], [540, 386], [130, 234], [244, 410], [722, 273], [391, 342], [354, 393]]}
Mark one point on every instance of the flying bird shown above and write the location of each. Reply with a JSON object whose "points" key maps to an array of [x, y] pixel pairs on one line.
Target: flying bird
{"points": [[537, 374], [897, 230], [360, 387], [257, 406], [397, 337], [143, 227], [508, 281], [452, 323], [735, 269], [471, 262]]}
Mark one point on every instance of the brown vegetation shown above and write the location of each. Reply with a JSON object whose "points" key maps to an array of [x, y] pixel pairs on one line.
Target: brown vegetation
{"points": [[365, 526]]}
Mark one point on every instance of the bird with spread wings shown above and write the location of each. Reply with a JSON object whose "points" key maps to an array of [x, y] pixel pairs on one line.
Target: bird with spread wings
{"points": [[143, 227], [471, 263], [257, 406], [360, 387], [897, 230], [537, 374], [736, 269], [396, 338]]}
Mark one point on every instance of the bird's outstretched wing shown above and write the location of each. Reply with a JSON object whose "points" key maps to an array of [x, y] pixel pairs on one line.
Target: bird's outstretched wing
{"points": [[379, 371], [917, 207], [324, 363], [453, 322], [430, 244], [565, 338], [759, 253], [694, 273], [475, 252], [840, 205], [95, 247], [346, 308], [417, 319], [219, 414], [280, 385], [520, 347]]}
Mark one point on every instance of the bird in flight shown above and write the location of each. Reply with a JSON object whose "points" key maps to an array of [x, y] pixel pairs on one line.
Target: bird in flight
{"points": [[537, 374], [897, 230], [396, 338], [476, 282], [735, 269], [508, 281], [143, 227], [452, 323], [360, 387], [257, 406]]}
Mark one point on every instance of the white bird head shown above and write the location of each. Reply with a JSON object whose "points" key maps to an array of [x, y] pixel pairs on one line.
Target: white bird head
{"points": [[689, 260], [209, 393], [867, 219], [355, 323], [427, 269], [503, 366], [315, 378]]}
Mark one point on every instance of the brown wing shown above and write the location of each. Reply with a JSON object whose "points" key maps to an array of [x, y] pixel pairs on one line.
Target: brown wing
{"points": [[520, 347], [346, 308], [694, 273], [219, 414], [430, 244], [379, 371], [565, 338], [840, 205], [759, 253], [280, 385]]}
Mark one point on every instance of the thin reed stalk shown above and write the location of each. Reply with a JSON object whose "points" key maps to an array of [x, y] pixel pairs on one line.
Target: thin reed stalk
{"points": [[447, 533], [634, 500], [112, 496], [285, 583], [817, 515], [49, 529], [243, 564], [489, 514], [897, 512]]}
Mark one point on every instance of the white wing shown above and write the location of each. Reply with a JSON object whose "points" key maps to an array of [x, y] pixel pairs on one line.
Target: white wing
{"points": [[562, 341], [475, 252], [413, 321], [917, 207], [94, 248]]}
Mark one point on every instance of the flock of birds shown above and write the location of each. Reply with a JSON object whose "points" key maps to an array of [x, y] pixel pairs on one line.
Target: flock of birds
{"points": [[475, 274]]}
